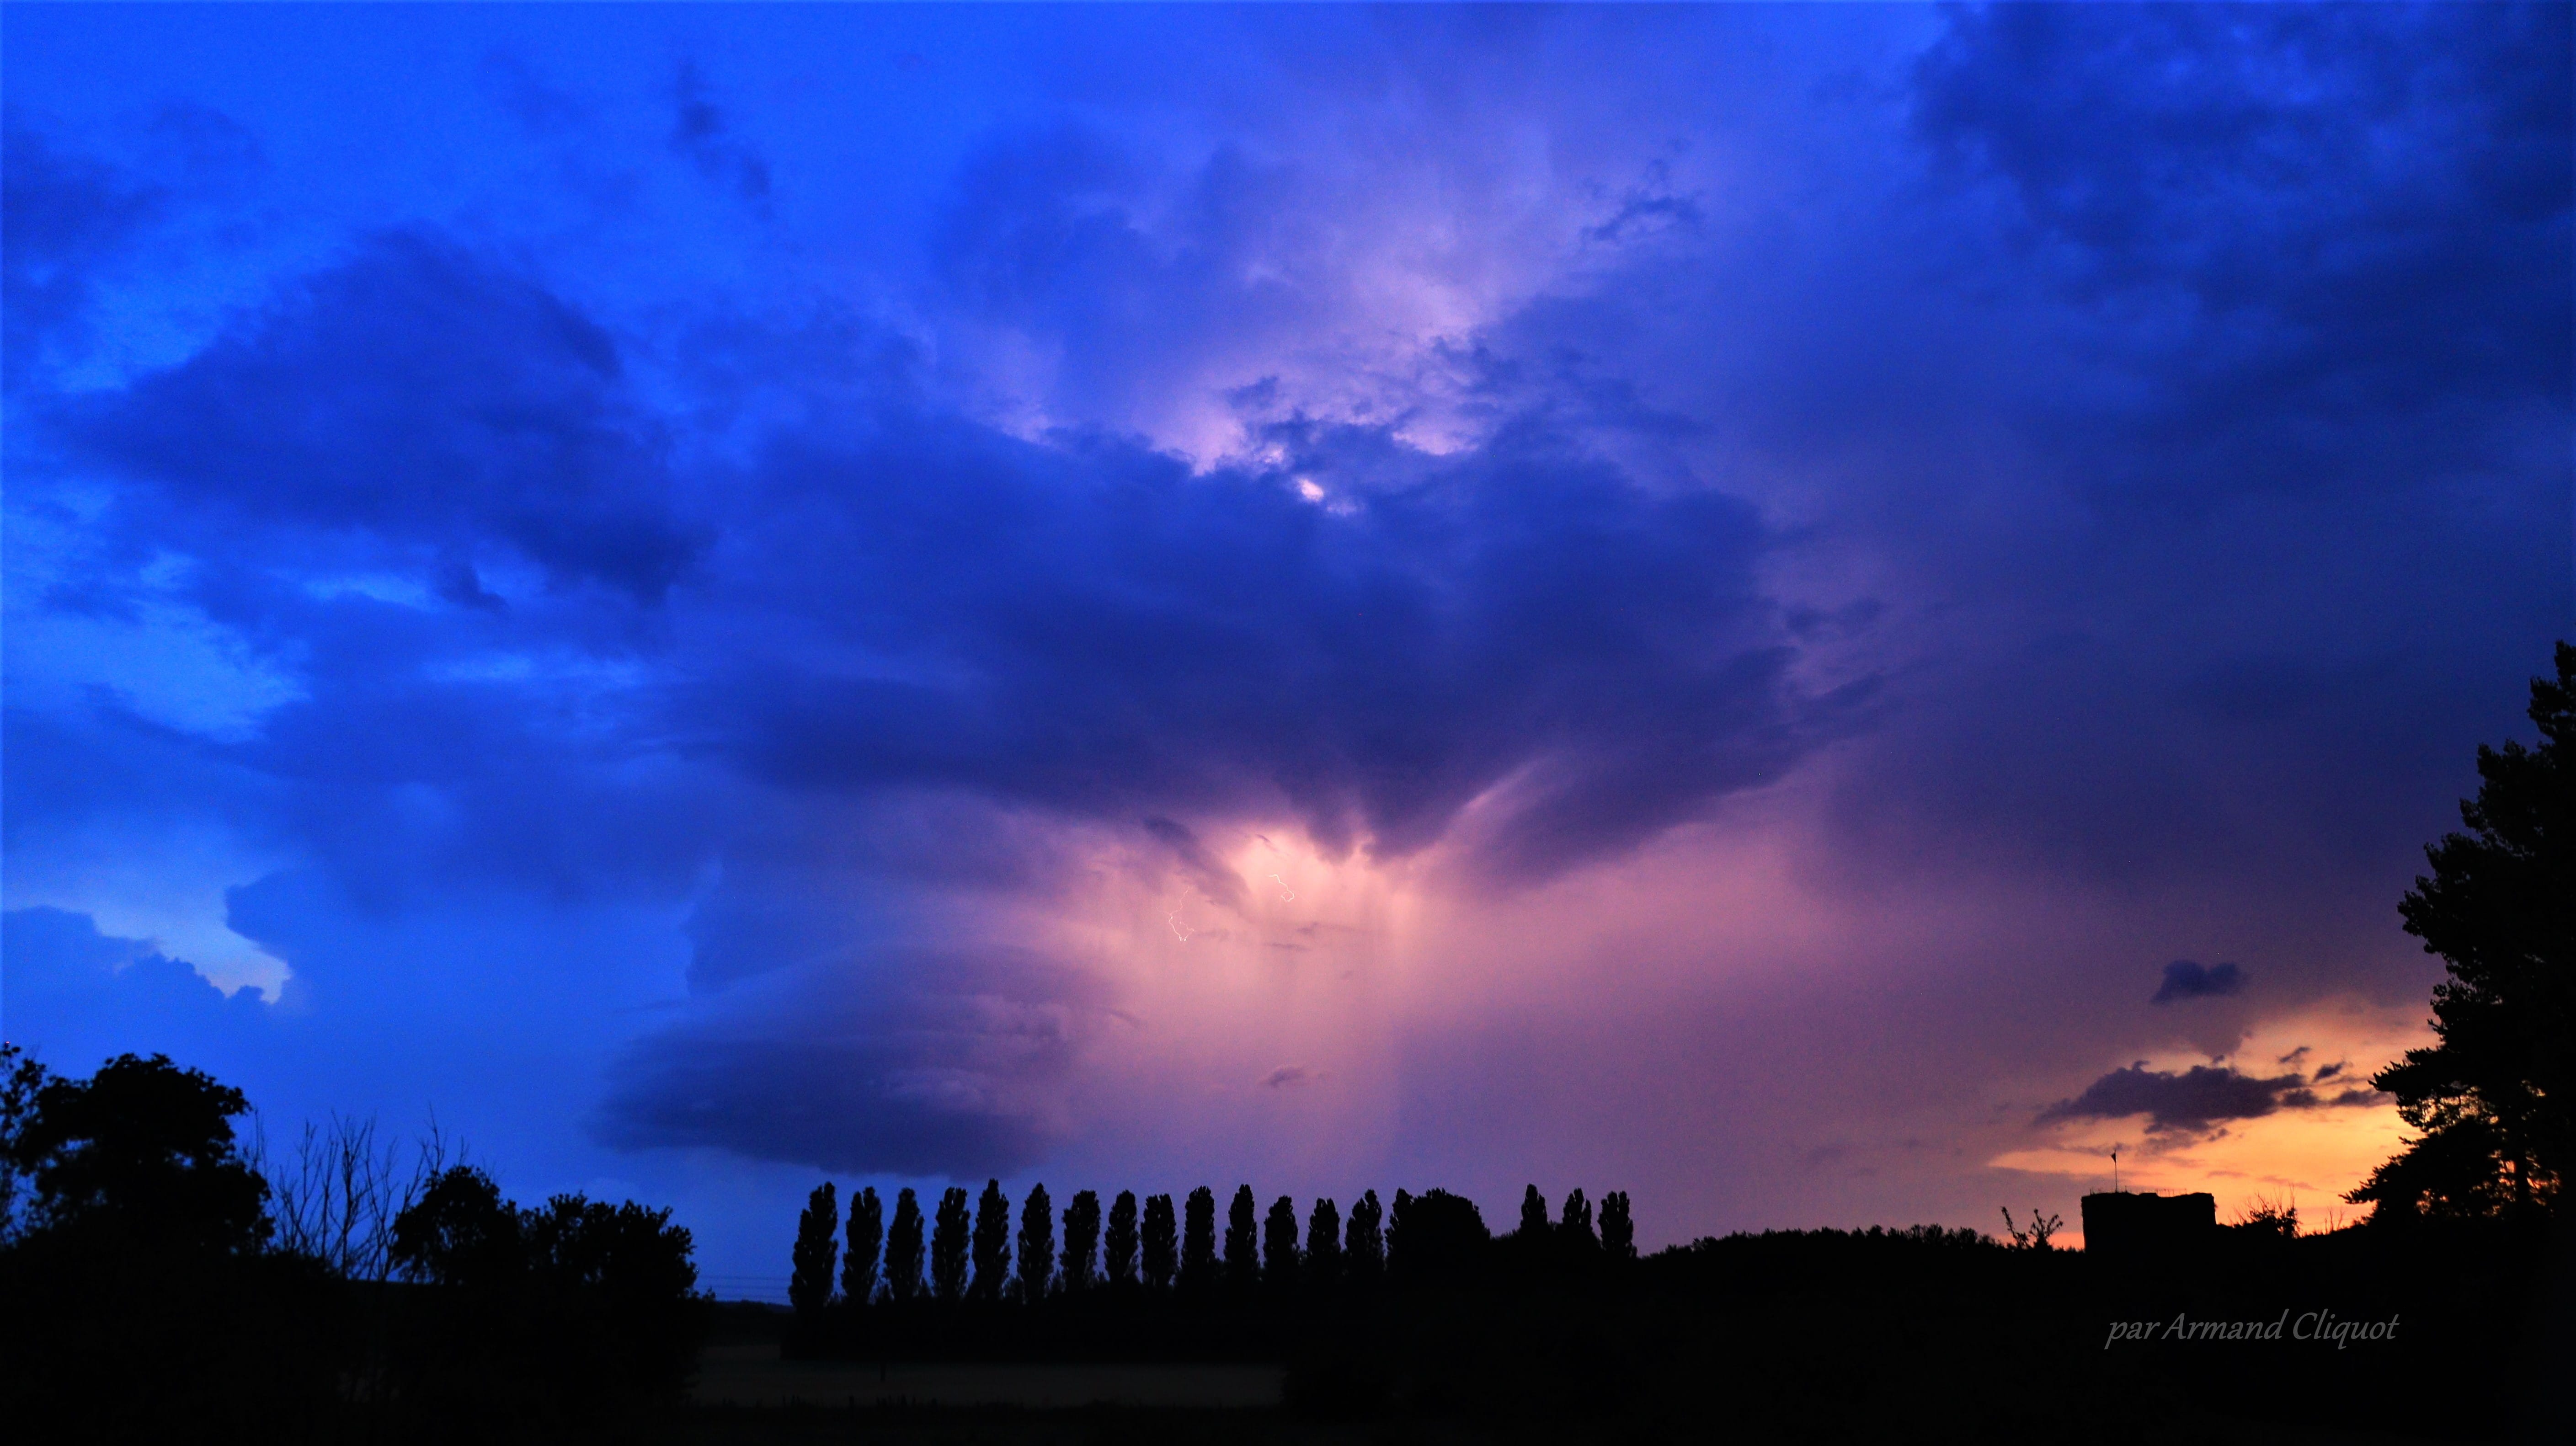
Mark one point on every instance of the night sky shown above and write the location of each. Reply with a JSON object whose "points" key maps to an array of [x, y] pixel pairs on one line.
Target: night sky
{"points": [[1817, 614]]}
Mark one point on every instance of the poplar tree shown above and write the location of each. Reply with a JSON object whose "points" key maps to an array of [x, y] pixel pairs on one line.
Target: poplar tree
{"points": [[1533, 1215], [1324, 1245], [1574, 1230], [818, 1227], [903, 1249], [867, 1238], [1279, 1245], [1081, 1241], [1198, 1242], [1363, 1243], [948, 1246], [1118, 1248], [1242, 1242], [1162, 1244], [992, 1242], [1618, 1232], [1037, 1244]]}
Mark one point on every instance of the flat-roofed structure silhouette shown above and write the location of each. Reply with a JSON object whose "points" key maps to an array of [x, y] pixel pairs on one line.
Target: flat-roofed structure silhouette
{"points": [[2132, 1224]]}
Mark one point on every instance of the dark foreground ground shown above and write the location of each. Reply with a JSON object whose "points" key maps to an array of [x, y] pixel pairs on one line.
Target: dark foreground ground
{"points": [[1819, 1336], [1809, 1337]]}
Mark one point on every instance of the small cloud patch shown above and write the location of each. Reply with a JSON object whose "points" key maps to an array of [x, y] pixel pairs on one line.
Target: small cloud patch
{"points": [[2187, 980]]}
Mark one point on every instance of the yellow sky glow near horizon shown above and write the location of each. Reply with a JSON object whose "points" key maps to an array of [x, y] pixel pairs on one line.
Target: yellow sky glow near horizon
{"points": [[2304, 1157]]}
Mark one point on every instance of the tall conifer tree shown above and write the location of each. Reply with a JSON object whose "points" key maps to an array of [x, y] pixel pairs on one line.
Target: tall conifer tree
{"points": [[1364, 1243], [1242, 1242], [1618, 1231], [1324, 1246], [903, 1249], [1161, 1242], [1118, 1247], [1198, 1242], [1279, 1245], [1081, 1242], [1037, 1244], [818, 1229], [949, 1246], [867, 1238], [1533, 1215], [992, 1242], [1574, 1230], [2493, 1098]]}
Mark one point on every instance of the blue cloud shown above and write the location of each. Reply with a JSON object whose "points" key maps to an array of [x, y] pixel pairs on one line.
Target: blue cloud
{"points": [[74, 996], [423, 396], [2187, 980]]}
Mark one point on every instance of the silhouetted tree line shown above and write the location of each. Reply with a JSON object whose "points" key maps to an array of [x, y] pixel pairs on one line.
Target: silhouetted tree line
{"points": [[163, 1277], [1161, 1271]]}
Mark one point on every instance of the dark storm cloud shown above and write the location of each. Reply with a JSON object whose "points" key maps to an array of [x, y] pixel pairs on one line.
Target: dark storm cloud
{"points": [[2196, 1099], [2256, 321], [63, 215], [885, 604], [1093, 628], [896, 1061], [423, 396], [2186, 980], [2332, 235]]}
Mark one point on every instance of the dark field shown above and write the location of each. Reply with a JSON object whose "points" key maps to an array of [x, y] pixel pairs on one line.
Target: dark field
{"points": [[756, 1376]]}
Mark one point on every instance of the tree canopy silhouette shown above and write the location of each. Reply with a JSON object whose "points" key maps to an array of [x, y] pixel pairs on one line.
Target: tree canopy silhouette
{"points": [[1081, 1241], [1037, 1244], [1198, 1242], [1533, 1225], [143, 1152], [1118, 1247], [1279, 1245], [1435, 1237], [1618, 1231], [1574, 1228], [949, 1246], [1324, 1245], [867, 1238], [1160, 1244], [818, 1228], [1242, 1242], [903, 1249], [2495, 1096], [992, 1241], [1364, 1242]]}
